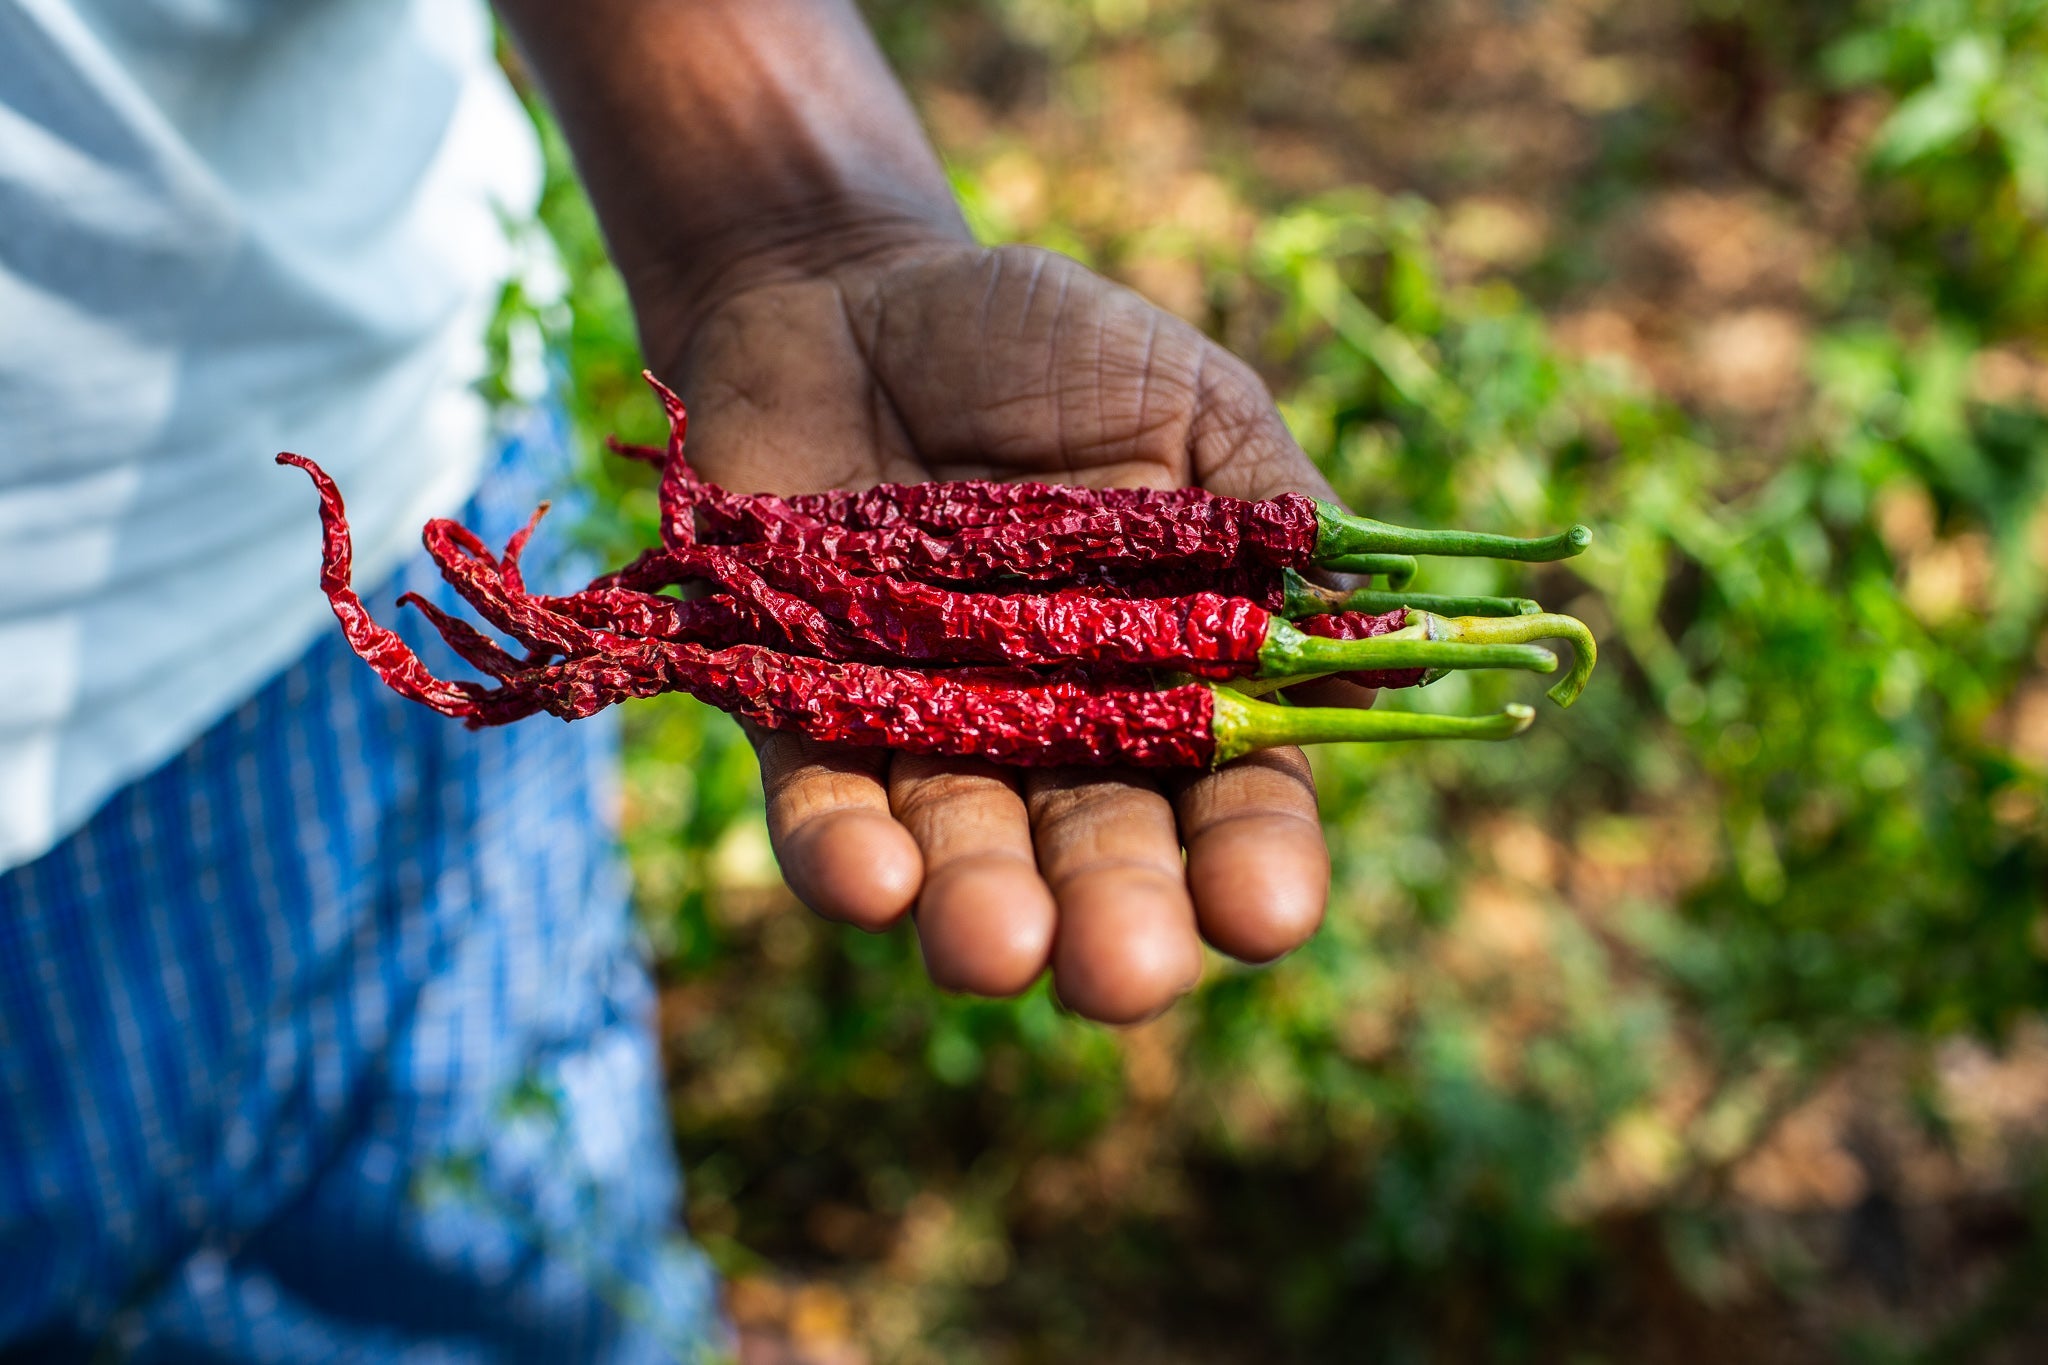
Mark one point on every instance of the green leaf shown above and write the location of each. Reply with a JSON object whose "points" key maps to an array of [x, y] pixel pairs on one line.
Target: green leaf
{"points": [[1948, 111]]}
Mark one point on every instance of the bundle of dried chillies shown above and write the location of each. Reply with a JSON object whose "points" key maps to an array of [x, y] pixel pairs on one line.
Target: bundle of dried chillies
{"points": [[1023, 623]]}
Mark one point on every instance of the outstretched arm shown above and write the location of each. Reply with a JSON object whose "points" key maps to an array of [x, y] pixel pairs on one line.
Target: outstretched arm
{"points": [[800, 271]]}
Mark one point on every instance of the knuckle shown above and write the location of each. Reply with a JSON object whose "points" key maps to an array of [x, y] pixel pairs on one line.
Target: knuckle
{"points": [[1059, 798], [922, 792]]}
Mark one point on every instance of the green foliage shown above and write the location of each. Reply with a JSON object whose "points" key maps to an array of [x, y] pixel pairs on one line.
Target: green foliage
{"points": [[1771, 661], [1964, 152]]}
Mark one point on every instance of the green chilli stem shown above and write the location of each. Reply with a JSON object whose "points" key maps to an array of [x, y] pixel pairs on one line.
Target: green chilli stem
{"points": [[1398, 570], [1299, 597], [1289, 651], [1438, 604], [1376, 603], [1242, 725], [1266, 687], [1342, 535], [1515, 630], [1302, 598]]}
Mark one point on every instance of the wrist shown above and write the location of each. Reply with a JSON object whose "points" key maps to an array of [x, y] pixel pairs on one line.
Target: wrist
{"points": [[730, 143]]}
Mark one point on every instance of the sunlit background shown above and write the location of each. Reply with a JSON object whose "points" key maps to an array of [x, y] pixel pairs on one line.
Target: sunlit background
{"points": [[1702, 1024]]}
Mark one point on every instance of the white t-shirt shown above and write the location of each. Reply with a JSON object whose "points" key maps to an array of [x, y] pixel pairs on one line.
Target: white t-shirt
{"points": [[227, 228]]}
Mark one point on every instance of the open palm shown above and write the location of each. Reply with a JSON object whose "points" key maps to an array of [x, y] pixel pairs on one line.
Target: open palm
{"points": [[953, 361]]}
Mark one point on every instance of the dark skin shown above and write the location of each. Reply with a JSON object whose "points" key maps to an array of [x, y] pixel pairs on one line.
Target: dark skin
{"points": [[801, 274]]}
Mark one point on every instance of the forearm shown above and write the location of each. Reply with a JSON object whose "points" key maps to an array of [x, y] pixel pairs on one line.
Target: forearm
{"points": [[725, 139]]}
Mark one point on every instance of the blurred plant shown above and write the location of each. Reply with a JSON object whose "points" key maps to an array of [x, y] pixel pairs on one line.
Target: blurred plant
{"points": [[1960, 164], [1837, 721]]}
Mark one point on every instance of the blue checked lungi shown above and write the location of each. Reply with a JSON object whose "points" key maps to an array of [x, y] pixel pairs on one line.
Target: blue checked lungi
{"points": [[330, 1041]]}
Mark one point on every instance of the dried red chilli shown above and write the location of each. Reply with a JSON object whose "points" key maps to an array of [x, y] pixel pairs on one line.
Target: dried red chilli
{"points": [[476, 574], [566, 624], [1205, 536], [1123, 544], [953, 506], [679, 483], [942, 507], [976, 529], [610, 619], [475, 648], [881, 621], [378, 647], [816, 607], [938, 506], [826, 609], [1000, 715], [827, 612], [1017, 721], [701, 620]]}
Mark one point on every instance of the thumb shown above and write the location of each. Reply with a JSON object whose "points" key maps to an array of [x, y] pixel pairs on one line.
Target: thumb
{"points": [[1238, 444]]}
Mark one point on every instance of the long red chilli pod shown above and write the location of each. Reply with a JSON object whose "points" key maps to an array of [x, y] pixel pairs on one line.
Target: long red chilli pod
{"points": [[941, 507], [718, 619], [606, 619], [953, 506], [814, 606], [1024, 723], [477, 575], [382, 650], [817, 607], [563, 625], [680, 485], [965, 714], [1059, 530], [475, 648], [1203, 536], [1206, 634], [1290, 531], [609, 618], [594, 620]]}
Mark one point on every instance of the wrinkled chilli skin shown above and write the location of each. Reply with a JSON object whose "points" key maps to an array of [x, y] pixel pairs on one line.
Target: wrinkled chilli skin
{"points": [[394, 661], [973, 530], [1211, 535], [1009, 720], [936, 510], [831, 615], [827, 609], [1005, 716]]}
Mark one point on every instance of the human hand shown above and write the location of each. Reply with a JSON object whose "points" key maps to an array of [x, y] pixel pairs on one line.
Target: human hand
{"points": [[937, 359]]}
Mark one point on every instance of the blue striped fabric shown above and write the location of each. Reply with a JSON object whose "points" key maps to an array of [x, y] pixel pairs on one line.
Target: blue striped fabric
{"points": [[330, 1041]]}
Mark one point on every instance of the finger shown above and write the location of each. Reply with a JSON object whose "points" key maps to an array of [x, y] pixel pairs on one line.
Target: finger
{"points": [[841, 851], [985, 918], [1257, 865], [1127, 946], [1237, 442]]}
